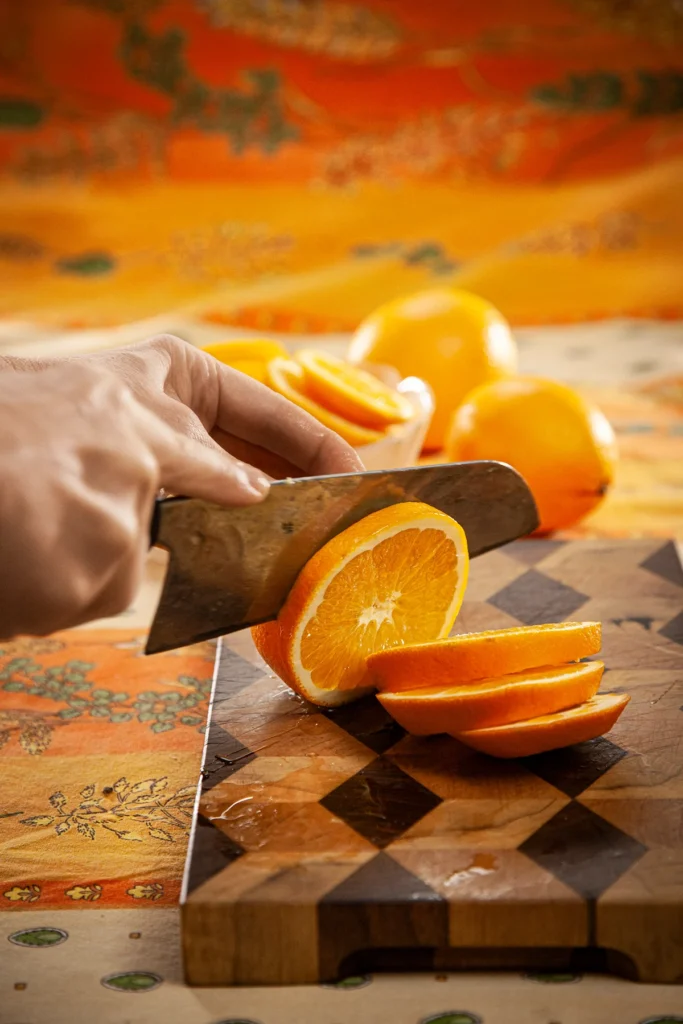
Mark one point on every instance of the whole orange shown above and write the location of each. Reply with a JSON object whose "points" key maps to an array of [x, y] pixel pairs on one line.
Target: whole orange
{"points": [[563, 447], [452, 339]]}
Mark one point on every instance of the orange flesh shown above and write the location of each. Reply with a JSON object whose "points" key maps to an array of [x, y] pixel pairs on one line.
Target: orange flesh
{"points": [[406, 602], [352, 393], [475, 656], [492, 702], [398, 576], [549, 732], [287, 378]]}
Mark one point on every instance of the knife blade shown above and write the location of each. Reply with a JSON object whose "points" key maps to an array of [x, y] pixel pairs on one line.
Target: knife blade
{"points": [[230, 568]]}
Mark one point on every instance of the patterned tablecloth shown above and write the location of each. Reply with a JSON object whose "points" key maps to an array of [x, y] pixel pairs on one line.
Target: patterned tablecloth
{"points": [[99, 759], [208, 167]]}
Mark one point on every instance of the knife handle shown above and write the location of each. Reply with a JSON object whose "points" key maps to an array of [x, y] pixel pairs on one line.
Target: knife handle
{"points": [[162, 509], [154, 522]]}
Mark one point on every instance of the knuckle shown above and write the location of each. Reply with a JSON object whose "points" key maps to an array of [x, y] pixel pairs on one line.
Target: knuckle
{"points": [[170, 343], [102, 388]]}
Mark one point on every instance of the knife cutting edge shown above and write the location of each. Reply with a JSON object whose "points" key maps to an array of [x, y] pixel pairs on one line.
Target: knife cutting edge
{"points": [[230, 568]]}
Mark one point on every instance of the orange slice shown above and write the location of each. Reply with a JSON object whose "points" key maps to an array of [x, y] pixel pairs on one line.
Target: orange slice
{"points": [[488, 655], [513, 698], [250, 356], [287, 377], [536, 735], [398, 576], [355, 394]]}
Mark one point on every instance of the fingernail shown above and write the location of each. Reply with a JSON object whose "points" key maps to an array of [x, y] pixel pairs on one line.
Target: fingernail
{"points": [[252, 480]]}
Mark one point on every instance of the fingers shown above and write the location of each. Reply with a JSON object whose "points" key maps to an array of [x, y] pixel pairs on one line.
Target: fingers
{"points": [[227, 401], [252, 412], [272, 465], [199, 470]]}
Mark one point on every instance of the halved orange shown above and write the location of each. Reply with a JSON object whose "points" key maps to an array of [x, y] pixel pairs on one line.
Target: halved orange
{"points": [[471, 656], [248, 355], [287, 377], [398, 576], [513, 698], [549, 732], [355, 394]]}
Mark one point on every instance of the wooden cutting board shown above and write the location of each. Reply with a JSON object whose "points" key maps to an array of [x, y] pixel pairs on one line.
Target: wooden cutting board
{"points": [[330, 842]]}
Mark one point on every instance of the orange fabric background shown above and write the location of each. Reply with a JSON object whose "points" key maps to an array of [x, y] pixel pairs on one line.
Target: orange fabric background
{"points": [[288, 166]]}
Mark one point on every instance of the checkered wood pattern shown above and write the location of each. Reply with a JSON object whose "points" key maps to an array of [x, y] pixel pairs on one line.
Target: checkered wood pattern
{"points": [[323, 834]]}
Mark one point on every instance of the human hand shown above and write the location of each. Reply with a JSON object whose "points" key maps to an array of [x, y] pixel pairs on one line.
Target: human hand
{"points": [[241, 422], [85, 445]]}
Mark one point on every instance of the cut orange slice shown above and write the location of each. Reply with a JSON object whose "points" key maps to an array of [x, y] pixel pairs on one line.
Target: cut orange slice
{"points": [[287, 377], [488, 655], [549, 732], [434, 710], [250, 356], [397, 576], [355, 394]]}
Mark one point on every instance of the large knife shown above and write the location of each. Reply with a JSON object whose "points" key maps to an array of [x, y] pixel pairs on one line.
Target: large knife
{"points": [[233, 567]]}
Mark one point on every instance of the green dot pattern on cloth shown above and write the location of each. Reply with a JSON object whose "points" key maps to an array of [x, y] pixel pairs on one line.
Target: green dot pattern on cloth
{"points": [[453, 1017], [87, 264], [355, 981], [235, 1020], [132, 981], [16, 112], [39, 938]]}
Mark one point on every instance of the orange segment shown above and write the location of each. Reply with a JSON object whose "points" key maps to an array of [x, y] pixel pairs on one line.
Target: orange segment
{"points": [[250, 356], [352, 393], [513, 698], [549, 732], [287, 377], [396, 577], [472, 656]]}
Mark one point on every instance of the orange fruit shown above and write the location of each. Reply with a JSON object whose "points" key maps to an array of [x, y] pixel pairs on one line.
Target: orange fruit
{"points": [[396, 577], [452, 339], [549, 732], [355, 394], [250, 356], [287, 377], [474, 656], [562, 446], [435, 709]]}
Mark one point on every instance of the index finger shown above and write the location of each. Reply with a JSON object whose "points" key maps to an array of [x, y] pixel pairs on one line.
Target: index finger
{"points": [[253, 412]]}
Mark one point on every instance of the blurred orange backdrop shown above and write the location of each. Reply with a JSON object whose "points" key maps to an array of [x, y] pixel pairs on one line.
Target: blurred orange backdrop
{"points": [[289, 164]]}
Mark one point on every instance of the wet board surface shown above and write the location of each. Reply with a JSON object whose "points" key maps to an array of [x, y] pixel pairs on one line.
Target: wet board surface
{"points": [[330, 842]]}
